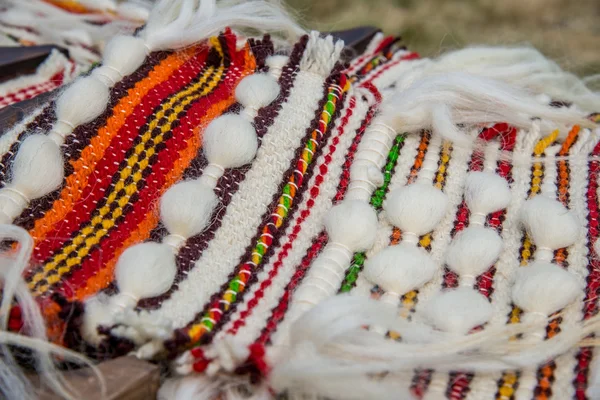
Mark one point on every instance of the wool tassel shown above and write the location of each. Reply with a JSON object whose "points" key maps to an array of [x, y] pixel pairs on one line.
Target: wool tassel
{"points": [[458, 310], [523, 67], [485, 193], [331, 354], [37, 170], [180, 23], [416, 209], [541, 289], [440, 102], [472, 252], [550, 225], [398, 270]]}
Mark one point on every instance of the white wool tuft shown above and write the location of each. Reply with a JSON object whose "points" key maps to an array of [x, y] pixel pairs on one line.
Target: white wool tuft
{"points": [[550, 224], [257, 91], [98, 312], [146, 270], [458, 310], [352, 224], [442, 101], [486, 192], [597, 247], [276, 62], [114, 52], [82, 101], [133, 10], [416, 208], [230, 141], [400, 268], [525, 67], [38, 167], [193, 387], [186, 208], [180, 23], [473, 251], [544, 288], [13, 383]]}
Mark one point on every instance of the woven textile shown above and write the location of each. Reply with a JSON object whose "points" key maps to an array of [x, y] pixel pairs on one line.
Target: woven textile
{"points": [[242, 282], [55, 71]]}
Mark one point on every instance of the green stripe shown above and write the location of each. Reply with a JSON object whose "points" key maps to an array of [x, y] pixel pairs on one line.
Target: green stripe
{"points": [[377, 202]]}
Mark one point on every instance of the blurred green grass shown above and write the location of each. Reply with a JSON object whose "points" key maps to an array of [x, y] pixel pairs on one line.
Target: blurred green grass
{"points": [[567, 31]]}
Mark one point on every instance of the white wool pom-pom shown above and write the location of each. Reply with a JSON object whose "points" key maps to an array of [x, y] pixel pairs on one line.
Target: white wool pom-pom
{"points": [[146, 270], [458, 310], [550, 224], [353, 224], [185, 208], [486, 192], [38, 167], [416, 208], [97, 313], [125, 54], [257, 91], [400, 268], [544, 288], [276, 62], [230, 141], [82, 101], [473, 251]]}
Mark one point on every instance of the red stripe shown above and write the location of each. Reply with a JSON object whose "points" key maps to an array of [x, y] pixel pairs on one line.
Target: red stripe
{"points": [[410, 56], [148, 196], [314, 192], [279, 311], [108, 166], [590, 308]]}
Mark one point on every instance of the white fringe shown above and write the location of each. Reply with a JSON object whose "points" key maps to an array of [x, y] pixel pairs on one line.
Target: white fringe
{"points": [[179, 23], [13, 384], [521, 66], [332, 355]]}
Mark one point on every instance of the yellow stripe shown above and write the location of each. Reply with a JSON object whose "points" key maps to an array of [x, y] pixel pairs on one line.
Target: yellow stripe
{"points": [[99, 221]]}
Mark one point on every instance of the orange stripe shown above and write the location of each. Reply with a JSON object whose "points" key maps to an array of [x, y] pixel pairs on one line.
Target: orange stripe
{"points": [[105, 276], [86, 164]]}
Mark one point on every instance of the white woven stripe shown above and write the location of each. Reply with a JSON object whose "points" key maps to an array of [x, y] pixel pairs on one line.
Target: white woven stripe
{"points": [[311, 228], [577, 260], [313, 224], [245, 212]]}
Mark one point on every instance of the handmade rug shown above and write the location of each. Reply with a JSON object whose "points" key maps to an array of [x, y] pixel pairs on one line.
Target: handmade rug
{"points": [[279, 220]]}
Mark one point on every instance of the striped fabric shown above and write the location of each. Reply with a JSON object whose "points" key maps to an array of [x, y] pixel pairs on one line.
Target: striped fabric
{"points": [[236, 280]]}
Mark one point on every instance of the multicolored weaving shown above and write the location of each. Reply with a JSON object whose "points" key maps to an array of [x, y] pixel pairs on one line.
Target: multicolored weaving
{"points": [[239, 283]]}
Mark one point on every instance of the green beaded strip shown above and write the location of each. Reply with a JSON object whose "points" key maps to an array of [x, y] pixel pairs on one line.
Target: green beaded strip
{"points": [[377, 202]]}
